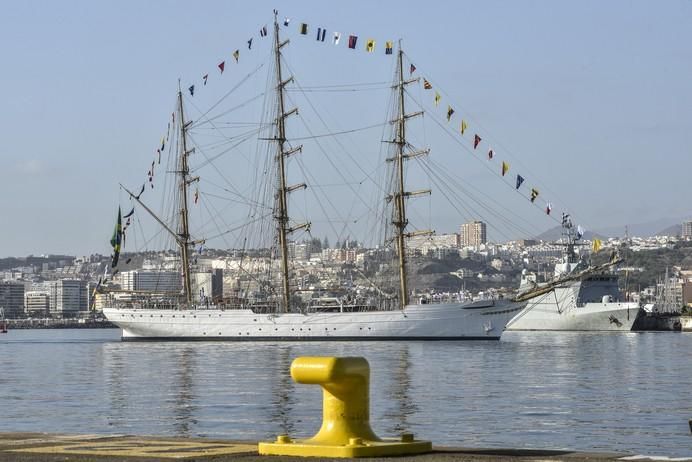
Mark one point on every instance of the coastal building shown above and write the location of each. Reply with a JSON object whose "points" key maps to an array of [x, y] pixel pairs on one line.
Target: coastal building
{"points": [[68, 297], [426, 243], [207, 285], [12, 298], [441, 253], [37, 303], [473, 234], [299, 251], [687, 229], [150, 280], [340, 255]]}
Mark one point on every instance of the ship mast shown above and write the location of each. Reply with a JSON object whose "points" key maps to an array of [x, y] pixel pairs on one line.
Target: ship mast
{"points": [[281, 212], [400, 195], [183, 229]]}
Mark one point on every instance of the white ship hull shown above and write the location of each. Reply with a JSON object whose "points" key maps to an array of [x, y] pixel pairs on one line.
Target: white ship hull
{"points": [[547, 313], [453, 321]]}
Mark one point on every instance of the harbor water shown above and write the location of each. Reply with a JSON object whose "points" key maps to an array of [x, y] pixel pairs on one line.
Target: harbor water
{"points": [[621, 392]]}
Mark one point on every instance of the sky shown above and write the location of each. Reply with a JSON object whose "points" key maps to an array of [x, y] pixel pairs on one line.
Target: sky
{"points": [[590, 101]]}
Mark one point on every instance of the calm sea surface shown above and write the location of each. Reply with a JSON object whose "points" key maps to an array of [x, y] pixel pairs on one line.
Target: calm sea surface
{"points": [[598, 392]]}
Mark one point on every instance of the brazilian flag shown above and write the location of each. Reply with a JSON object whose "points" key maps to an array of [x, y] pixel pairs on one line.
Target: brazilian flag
{"points": [[117, 239]]}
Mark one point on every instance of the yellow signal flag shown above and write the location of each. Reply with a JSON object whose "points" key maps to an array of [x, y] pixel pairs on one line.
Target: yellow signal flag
{"points": [[464, 126], [534, 194], [370, 45], [438, 98], [596, 245]]}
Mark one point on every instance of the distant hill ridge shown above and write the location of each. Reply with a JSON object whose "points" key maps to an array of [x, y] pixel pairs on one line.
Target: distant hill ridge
{"points": [[675, 230], [554, 235], [661, 227]]}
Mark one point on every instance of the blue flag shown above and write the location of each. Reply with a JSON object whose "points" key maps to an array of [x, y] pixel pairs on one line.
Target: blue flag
{"points": [[520, 180]]}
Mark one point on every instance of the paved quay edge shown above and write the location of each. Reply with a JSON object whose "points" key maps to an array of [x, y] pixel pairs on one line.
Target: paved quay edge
{"points": [[33, 447]]}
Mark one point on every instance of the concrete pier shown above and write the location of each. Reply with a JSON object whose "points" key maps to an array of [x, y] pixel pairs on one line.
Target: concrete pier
{"points": [[35, 447]]}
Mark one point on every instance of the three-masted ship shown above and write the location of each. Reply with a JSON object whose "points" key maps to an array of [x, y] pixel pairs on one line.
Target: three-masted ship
{"points": [[279, 316]]}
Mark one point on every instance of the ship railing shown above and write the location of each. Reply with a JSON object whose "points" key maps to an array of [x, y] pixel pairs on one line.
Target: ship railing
{"points": [[343, 308], [137, 305], [347, 305], [449, 297]]}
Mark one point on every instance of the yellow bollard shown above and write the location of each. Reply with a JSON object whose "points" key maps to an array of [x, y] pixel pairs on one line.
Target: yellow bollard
{"points": [[345, 430]]}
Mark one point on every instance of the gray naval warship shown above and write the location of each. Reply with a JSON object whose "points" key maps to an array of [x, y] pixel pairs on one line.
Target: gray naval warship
{"points": [[580, 297]]}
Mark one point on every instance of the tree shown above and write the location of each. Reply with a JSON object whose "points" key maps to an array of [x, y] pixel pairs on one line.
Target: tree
{"points": [[315, 245]]}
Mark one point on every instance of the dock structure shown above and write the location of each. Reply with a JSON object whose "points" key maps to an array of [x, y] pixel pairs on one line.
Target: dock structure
{"points": [[40, 447]]}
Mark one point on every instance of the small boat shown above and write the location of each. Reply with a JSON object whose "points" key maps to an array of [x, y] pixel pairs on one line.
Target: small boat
{"points": [[3, 322], [664, 313]]}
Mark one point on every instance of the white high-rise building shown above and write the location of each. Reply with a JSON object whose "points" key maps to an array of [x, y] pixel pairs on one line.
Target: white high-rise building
{"points": [[472, 234], [68, 296], [151, 281], [207, 286], [687, 229]]}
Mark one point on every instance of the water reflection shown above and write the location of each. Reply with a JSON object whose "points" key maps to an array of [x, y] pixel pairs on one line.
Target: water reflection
{"points": [[184, 398], [402, 405], [283, 396], [114, 370]]}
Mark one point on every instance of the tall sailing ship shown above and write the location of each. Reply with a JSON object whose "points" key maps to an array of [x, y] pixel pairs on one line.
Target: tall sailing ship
{"points": [[580, 297], [273, 311]]}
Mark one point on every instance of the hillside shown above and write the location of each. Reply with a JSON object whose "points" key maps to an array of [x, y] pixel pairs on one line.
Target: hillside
{"points": [[554, 234], [654, 263], [675, 230]]}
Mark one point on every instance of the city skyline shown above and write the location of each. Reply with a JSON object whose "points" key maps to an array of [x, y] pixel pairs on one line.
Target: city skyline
{"points": [[594, 105]]}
